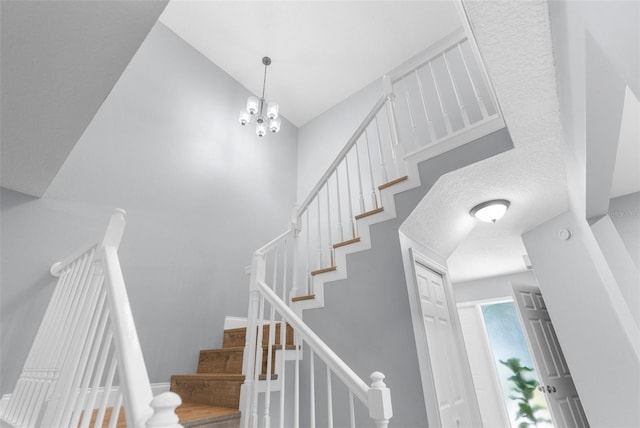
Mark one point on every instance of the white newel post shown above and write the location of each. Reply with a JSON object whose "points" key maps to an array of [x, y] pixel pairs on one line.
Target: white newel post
{"points": [[379, 397], [164, 411]]}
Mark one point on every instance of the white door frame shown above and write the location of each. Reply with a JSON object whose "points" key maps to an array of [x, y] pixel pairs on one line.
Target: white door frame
{"points": [[422, 347]]}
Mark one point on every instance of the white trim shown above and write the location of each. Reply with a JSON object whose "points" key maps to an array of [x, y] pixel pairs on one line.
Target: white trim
{"points": [[234, 322]]}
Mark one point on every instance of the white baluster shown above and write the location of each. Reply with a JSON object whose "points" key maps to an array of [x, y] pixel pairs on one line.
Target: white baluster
{"points": [[385, 178], [352, 412], [115, 411], [432, 132], [329, 400], [281, 374], [108, 384], [340, 230], [296, 383], [379, 398], [481, 103], [361, 194], [164, 411], [329, 240], [96, 380], [352, 220], [312, 392], [412, 121], [374, 197], [257, 365], [463, 110], [307, 232], [320, 266], [447, 122]]}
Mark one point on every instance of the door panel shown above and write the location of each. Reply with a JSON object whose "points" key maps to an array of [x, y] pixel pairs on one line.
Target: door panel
{"points": [[443, 352], [552, 368]]}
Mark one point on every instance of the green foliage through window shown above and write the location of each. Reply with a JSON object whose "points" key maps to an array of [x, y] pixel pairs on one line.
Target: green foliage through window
{"points": [[524, 387]]}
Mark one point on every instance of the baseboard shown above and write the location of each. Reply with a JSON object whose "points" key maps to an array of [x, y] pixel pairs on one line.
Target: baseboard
{"points": [[156, 388]]}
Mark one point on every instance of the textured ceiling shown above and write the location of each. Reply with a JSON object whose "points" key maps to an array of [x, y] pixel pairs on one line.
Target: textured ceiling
{"points": [[515, 41], [322, 51]]}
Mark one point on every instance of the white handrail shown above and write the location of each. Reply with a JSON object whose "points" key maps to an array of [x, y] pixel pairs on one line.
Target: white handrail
{"points": [[352, 141], [331, 359]]}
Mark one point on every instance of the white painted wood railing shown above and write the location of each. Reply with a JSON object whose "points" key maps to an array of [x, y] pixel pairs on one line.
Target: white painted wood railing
{"points": [[86, 364], [436, 101], [260, 364]]}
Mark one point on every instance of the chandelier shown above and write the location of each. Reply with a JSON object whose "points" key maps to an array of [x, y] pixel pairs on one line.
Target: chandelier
{"points": [[256, 107]]}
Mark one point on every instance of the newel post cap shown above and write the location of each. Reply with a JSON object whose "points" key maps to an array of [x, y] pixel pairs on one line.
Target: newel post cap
{"points": [[164, 411], [379, 397]]}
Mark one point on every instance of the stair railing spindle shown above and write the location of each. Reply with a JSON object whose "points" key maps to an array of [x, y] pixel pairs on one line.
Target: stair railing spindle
{"points": [[432, 133], [340, 229], [374, 197], [257, 366], [84, 343], [296, 383], [361, 194], [329, 239], [307, 232], [108, 384], [83, 320], [320, 266], [480, 101], [463, 110], [397, 151], [447, 121], [312, 391], [383, 168], [88, 409], [329, 400], [270, 341], [281, 375], [352, 413], [115, 411], [92, 348], [351, 217]]}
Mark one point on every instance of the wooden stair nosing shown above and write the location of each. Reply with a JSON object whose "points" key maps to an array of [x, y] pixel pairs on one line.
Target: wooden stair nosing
{"points": [[368, 213], [301, 298], [324, 270], [393, 182], [347, 242]]}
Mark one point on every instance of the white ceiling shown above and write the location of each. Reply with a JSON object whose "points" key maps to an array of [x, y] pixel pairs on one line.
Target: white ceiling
{"points": [[322, 51]]}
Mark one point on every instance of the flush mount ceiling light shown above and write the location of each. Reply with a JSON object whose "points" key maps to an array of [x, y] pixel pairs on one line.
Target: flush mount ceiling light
{"points": [[490, 211], [256, 107]]}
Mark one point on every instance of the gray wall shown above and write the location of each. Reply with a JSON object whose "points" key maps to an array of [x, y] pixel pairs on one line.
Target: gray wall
{"points": [[625, 214], [201, 192]]}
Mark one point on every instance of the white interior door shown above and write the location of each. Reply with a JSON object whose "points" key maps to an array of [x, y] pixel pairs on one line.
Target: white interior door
{"points": [[555, 378], [444, 355]]}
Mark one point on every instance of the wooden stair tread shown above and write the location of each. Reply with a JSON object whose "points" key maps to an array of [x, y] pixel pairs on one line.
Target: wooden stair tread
{"points": [[193, 415], [347, 242], [324, 270], [210, 376], [190, 415], [301, 298], [392, 182], [368, 213]]}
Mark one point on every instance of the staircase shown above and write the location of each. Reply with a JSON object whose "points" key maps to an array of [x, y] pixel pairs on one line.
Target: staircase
{"points": [[211, 396]]}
